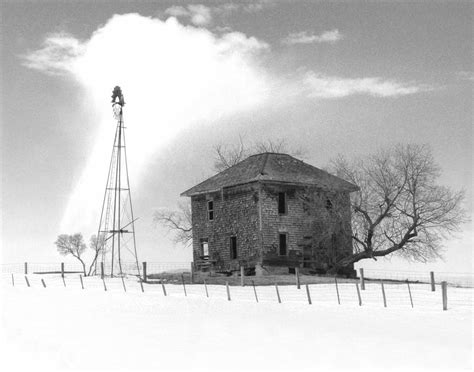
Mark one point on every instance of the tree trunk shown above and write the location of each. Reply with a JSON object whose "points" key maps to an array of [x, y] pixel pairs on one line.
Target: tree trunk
{"points": [[356, 257], [83, 265], [93, 263]]}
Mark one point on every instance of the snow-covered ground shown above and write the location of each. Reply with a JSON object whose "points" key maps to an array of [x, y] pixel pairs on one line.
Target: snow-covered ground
{"points": [[67, 328]]}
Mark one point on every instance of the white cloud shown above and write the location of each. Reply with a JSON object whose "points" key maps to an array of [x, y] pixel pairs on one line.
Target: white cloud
{"points": [[305, 37], [57, 55], [173, 77], [466, 75], [199, 15], [177, 11], [256, 6], [252, 7], [323, 86]]}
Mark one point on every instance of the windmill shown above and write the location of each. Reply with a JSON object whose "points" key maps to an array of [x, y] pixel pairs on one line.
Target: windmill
{"points": [[116, 243]]}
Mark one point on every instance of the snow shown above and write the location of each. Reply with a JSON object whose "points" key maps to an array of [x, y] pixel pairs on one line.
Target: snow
{"points": [[67, 328]]}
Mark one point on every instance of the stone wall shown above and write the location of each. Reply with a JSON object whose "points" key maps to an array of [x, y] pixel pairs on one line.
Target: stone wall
{"points": [[235, 214], [291, 223], [317, 224]]}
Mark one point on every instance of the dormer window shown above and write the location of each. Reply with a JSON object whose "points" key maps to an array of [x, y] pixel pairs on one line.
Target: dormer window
{"points": [[281, 203], [210, 210]]}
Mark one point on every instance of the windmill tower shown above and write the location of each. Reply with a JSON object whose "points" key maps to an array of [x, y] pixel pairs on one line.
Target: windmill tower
{"points": [[116, 234]]}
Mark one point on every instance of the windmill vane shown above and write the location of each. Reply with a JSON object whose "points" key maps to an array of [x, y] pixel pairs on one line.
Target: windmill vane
{"points": [[117, 94]]}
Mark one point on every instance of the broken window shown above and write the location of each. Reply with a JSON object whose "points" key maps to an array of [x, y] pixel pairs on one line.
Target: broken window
{"points": [[328, 204], [283, 243], [205, 248], [210, 210], [281, 203], [233, 247]]}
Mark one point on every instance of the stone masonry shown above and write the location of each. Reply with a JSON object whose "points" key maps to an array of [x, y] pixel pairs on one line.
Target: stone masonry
{"points": [[240, 217]]}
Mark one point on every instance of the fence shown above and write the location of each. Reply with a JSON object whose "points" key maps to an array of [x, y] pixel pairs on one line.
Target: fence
{"points": [[127, 267], [377, 294], [458, 279], [155, 269]]}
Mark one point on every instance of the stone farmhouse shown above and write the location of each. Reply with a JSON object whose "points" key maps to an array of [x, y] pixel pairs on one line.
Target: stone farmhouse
{"points": [[271, 213]]}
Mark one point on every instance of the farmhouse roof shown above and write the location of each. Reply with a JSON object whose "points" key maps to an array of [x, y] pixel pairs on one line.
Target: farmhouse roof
{"points": [[271, 167]]}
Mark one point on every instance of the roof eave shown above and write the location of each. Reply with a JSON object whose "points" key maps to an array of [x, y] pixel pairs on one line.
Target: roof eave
{"points": [[189, 193]]}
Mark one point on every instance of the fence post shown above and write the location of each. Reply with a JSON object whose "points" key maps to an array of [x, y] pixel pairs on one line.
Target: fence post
{"points": [[184, 285], [297, 272], [163, 286], [102, 270], [205, 287], [242, 274], [44, 284], [13, 281], [26, 268], [82, 283], [228, 290], [192, 272], [105, 287], [307, 294], [62, 269], [444, 290], [254, 291], [27, 281], [144, 271], [409, 292], [433, 287], [141, 286], [278, 293], [383, 295], [64, 281], [337, 291], [362, 279], [358, 294]]}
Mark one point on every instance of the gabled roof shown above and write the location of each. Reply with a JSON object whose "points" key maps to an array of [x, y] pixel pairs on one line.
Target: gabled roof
{"points": [[272, 167]]}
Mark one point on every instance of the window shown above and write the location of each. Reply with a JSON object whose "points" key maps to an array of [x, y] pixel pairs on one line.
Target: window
{"points": [[281, 203], [283, 242], [333, 253], [233, 247], [210, 210], [328, 204], [205, 248]]}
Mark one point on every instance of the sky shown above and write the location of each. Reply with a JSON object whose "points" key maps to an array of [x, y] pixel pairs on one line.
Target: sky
{"points": [[327, 77]]}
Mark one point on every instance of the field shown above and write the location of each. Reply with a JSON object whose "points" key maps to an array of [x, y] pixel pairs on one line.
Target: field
{"points": [[68, 328]]}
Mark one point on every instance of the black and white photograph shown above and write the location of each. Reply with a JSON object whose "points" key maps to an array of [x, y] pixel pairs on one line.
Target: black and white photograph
{"points": [[266, 185]]}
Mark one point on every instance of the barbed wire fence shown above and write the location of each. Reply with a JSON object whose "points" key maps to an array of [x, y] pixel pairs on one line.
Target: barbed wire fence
{"points": [[155, 269], [373, 288], [462, 279]]}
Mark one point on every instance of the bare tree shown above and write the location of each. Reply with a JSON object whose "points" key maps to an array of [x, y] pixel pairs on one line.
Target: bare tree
{"points": [[98, 245], [227, 156], [400, 208], [72, 245], [178, 221], [279, 145]]}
